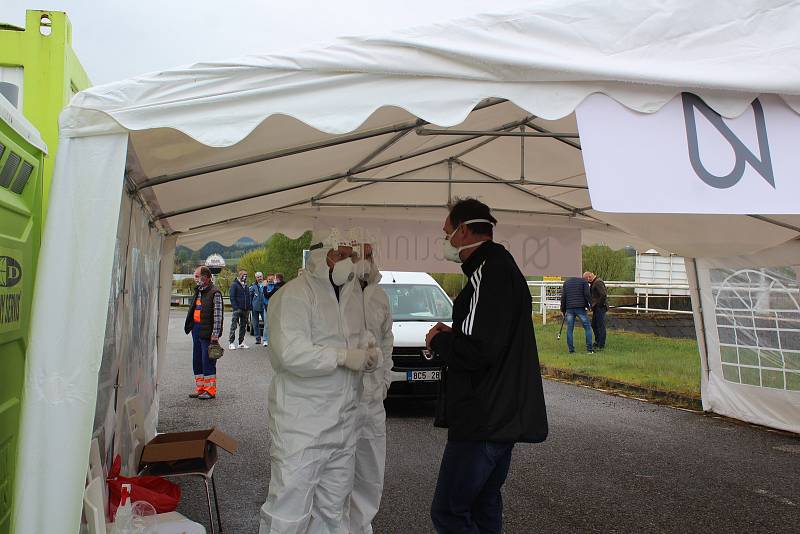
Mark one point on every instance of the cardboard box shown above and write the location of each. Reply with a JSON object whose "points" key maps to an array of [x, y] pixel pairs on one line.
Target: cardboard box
{"points": [[185, 451]]}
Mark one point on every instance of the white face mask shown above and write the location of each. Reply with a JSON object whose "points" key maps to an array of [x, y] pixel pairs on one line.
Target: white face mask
{"points": [[452, 253], [342, 272]]}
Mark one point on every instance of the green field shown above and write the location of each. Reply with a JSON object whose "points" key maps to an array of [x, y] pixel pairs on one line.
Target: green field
{"points": [[671, 365]]}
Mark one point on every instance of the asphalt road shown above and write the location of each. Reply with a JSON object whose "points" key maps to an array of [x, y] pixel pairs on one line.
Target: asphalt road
{"points": [[610, 464]]}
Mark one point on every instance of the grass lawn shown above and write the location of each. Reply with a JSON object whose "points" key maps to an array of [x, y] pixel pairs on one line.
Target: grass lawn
{"points": [[640, 359]]}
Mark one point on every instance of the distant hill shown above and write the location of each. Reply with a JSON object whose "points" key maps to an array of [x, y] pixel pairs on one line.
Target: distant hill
{"points": [[245, 242], [186, 259]]}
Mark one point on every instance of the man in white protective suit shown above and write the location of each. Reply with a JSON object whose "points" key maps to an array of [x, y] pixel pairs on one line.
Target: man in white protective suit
{"points": [[316, 323], [371, 419]]}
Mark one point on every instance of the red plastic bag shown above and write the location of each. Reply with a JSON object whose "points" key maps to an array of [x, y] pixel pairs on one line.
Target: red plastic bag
{"points": [[161, 493]]}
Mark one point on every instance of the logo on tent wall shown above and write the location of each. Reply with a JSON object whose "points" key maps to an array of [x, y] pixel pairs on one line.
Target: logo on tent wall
{"points": [[762, 164], [536, 252]]}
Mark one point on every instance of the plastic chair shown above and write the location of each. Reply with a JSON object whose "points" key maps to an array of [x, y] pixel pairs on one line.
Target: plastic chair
{"points": [[197, 469]]}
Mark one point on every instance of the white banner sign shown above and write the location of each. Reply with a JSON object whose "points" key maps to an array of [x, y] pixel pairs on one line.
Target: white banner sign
{"points": [[417, 246], [685, 158]]}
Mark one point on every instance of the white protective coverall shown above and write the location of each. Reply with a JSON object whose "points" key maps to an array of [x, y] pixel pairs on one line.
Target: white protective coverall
{"points": [[371, 419], [312, 402]]}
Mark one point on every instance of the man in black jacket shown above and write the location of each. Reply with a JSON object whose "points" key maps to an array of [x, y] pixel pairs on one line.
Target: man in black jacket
{"points": [[599, 308], [239, 296], [491, 395], [575, 300]]}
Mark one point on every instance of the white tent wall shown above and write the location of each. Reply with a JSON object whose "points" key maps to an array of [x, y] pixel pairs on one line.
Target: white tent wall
{"points": [[137, 352], [751, 316], [167, 258], [61, 378], [105, 418]]}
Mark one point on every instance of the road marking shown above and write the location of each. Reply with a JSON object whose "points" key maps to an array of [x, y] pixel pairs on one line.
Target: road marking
{"points": [[774, 497]]}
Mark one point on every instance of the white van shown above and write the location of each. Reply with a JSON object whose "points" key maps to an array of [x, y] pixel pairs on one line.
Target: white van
{"points": [[417, 303]]}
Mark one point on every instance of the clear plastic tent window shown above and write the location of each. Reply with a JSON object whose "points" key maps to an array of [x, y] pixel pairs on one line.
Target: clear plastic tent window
{"points": [[758, 322]]}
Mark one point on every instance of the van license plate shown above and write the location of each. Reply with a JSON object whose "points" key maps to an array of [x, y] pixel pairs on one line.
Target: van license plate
{"points": [[423, 376]]}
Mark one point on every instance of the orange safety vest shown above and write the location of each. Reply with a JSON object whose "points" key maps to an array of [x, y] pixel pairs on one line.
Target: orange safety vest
{"points": [[198, 306]]}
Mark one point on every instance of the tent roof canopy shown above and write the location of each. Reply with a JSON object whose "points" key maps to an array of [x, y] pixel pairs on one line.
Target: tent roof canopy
{"points": [[354, 129]]}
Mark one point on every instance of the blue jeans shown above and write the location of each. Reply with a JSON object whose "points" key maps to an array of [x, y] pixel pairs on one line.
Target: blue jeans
{"points": [[258, 316], [587, 327], [201, 363], [467, 498], [599, 325]]}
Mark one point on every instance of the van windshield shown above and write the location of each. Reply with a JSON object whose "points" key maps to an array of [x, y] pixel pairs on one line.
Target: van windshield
{"points": [[411, 302]]}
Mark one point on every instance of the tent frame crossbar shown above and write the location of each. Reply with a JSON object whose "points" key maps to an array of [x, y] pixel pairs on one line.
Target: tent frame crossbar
{"points": [[562, 205], [327, 143], [336, 176], [435, 206], [301, 202], [776, 223], [522, 181], [573, 144], [545, 134]]}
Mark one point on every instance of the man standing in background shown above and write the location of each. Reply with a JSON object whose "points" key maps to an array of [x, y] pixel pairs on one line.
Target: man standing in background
{"points": [[599, 308], [575, 300], [204, 322], [240, 308], [259, 304], [269, 290]]}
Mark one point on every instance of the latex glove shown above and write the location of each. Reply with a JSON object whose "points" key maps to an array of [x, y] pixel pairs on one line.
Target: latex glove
{"points": [[367, 340], [354, 359], [373, 359]]}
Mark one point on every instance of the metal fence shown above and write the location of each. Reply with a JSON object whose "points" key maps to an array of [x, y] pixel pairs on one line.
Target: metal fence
{"points": [[546, 296]]}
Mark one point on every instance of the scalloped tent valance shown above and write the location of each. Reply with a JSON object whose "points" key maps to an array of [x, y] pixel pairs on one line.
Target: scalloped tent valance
{"points": [[546, 59]]}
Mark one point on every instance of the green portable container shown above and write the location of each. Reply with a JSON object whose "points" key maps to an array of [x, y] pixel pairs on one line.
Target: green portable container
{"points": [[21, 164]]}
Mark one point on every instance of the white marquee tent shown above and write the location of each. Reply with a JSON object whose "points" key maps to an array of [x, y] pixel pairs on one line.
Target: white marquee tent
{"points": [[384, 131]]}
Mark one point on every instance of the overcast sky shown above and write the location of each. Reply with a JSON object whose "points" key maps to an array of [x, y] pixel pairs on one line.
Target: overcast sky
{"points": [[117, 39]]}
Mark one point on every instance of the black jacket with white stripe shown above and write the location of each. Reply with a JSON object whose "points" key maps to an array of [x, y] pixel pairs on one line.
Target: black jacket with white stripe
{"points": [[492, 385]]}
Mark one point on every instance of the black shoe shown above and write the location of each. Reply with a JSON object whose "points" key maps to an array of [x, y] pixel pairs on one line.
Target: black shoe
{"points": [[194, 395], [572, 352], [589, 352]]}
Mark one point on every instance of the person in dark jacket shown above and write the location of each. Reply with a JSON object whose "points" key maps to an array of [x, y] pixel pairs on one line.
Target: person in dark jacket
{"points": [[204, 322], [575, 300], [273, 284], [240, 308], [599, 308], [491, 391], [258, 302]]}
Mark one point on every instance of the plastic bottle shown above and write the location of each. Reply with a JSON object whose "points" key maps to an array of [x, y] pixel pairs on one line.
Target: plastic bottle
{"points": [[123, 521]]}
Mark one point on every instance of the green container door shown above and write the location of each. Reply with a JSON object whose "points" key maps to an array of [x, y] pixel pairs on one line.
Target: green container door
{"points": [[20, 236]]}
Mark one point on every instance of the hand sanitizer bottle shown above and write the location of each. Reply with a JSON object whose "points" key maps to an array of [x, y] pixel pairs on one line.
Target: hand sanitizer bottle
{"points": [[124, 518]]}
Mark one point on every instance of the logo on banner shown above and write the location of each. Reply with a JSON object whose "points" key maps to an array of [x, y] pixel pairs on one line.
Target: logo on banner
{"points": [[536, 252], [762, 164]]}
